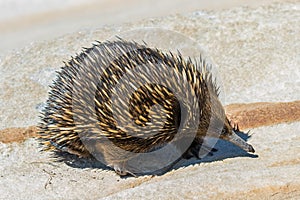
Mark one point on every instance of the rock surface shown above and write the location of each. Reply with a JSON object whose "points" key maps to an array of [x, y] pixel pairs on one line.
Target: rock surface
{"points": [[256, 51], [263, 114]]}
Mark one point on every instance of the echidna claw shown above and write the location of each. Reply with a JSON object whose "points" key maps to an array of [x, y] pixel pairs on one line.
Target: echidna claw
{"points": [[235, 126], [214, 149], [122, 172]]}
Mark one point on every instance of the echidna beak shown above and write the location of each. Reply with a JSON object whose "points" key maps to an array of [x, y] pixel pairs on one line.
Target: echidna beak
{"points": [[235, 139]]}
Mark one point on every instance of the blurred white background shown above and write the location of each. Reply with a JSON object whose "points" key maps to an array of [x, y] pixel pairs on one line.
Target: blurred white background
{"points": [[26, 21]]}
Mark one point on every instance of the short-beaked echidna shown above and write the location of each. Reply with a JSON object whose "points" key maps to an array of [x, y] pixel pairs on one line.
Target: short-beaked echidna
{"points": [[122, 101]]}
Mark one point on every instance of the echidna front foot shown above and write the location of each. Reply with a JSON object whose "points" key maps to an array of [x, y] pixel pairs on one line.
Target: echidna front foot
{"points": [[199, 150], [206, 150]]}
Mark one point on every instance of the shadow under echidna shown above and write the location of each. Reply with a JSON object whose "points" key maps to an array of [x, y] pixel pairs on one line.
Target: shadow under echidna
{"points": [[134, 109]]}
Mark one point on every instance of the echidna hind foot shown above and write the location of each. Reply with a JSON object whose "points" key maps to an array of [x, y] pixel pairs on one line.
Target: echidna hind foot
{"points": [[121, 170]]}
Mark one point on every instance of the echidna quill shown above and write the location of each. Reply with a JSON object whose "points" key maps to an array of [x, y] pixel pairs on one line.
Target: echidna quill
{"points": [[134, 108]]}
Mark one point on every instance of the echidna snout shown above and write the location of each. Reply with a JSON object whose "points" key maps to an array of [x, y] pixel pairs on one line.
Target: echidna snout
{"points": [[229, 134]]}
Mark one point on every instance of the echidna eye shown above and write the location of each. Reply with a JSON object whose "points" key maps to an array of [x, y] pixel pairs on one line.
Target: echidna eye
{"points": [[224, 131]]}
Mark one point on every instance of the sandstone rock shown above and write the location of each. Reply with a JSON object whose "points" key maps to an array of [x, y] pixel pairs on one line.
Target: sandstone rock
{"points": [[256, 51]]}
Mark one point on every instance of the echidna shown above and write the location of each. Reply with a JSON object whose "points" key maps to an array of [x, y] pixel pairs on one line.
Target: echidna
{"points": [[134, 108]]}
